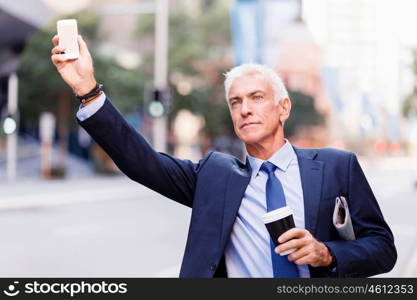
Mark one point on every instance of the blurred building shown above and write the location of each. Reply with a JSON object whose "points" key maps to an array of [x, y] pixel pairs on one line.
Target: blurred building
{"points": [[362, 65], [299, 64]]}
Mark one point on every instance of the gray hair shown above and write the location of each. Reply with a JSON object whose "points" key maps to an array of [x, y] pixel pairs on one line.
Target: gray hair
{"points": [[268, 73]]}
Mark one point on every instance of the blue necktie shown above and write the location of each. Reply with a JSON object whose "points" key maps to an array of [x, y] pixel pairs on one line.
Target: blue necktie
{"points": [[275, 198]]}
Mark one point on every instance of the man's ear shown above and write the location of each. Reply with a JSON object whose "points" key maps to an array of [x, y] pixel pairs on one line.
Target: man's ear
{"points": [[285, 109]]}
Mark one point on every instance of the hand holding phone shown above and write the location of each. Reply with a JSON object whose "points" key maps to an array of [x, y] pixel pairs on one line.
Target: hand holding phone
{"points": [[68, 34], [72, 59]]}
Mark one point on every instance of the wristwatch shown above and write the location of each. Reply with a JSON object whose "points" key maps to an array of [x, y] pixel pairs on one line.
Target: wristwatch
{"points": [[94, 92]]}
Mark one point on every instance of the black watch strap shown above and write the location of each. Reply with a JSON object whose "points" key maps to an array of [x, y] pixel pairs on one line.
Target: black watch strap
{"points": [[95, 91]]}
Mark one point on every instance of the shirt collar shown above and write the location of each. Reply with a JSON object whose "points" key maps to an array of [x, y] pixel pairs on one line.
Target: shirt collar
{"points": [[282, 159]]}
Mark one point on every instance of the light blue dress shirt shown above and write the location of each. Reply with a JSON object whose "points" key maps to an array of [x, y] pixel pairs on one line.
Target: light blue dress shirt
{"points": [[248, 253], [87, 111]]}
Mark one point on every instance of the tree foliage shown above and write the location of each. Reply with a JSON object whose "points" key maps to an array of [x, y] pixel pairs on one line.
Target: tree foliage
{"points": [[303, 113]]}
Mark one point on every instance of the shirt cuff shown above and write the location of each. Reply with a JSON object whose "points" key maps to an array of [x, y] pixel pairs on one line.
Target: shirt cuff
{"points": [[84, 112]]}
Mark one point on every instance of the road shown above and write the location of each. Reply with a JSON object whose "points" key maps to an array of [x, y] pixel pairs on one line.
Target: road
{"points": [[112, 227], [394, 184], [101, 227]]}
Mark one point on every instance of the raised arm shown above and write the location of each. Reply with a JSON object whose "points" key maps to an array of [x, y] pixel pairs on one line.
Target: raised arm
{"points": [[172, 177]]}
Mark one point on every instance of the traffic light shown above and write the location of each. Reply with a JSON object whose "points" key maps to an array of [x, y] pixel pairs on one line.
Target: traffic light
{"points": [[159, 103], [9, 125]]}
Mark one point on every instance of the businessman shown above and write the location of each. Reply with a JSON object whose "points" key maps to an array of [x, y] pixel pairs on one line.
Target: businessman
{"points": [[228, 197]]}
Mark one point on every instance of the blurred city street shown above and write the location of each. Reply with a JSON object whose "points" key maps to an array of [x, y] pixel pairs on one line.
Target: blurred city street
{"points": [[95, 227], [113, 227]]}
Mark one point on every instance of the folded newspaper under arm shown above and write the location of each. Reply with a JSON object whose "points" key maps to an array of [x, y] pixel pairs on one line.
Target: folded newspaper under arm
{"points": [[342, 220]]}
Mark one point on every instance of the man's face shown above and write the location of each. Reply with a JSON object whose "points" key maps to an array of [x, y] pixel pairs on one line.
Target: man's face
{"points": [[253, 109]]}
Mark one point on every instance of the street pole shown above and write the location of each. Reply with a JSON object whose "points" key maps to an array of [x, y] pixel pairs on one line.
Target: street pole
{"points": [[160, 70], [11, 140], [46, 133]]}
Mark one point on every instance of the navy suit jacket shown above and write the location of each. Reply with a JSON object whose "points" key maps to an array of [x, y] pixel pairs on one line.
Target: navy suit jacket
{"points": [[214, 188]]}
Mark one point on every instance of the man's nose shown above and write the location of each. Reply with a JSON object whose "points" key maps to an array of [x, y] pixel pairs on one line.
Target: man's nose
{"points": [[246, 108]]}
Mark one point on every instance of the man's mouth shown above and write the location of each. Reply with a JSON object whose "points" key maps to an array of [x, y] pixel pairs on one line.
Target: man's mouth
{"points": [[248, 124]]}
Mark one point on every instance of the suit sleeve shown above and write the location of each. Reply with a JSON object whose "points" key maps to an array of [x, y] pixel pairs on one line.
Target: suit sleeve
{"points": [[169, 176], [373, 252]]}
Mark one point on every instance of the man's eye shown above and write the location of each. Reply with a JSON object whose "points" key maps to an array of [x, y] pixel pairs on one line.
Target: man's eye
{"points": [[258, 97]]}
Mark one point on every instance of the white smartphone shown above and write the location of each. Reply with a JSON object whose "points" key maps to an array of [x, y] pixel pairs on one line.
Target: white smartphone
{"points": [[68, 34]]}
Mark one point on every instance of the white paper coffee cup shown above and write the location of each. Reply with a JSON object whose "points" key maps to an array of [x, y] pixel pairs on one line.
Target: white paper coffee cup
{"points": [[277, 222]]}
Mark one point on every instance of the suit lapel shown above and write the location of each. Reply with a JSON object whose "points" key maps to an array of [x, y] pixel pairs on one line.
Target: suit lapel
{"points": [[311, 172], [236, 185]]}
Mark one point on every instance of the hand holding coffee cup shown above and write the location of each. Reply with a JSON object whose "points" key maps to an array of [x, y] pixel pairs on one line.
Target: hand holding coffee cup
{"points": [[277, 222]]}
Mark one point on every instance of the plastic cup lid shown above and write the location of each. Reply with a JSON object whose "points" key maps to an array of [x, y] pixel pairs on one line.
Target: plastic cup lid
{"points": [[277, 214]]}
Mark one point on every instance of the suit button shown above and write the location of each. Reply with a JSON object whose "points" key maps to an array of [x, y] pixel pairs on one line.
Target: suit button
{"points": [[213, 267]]}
